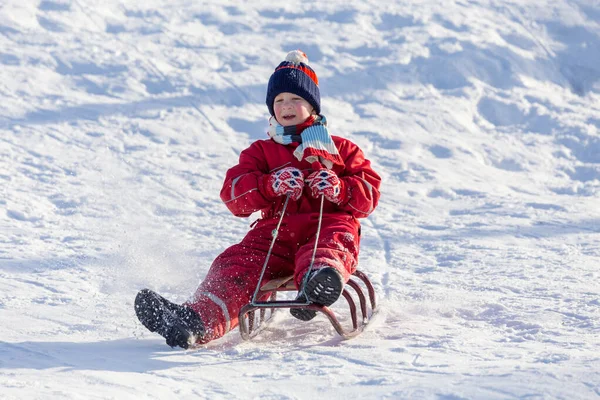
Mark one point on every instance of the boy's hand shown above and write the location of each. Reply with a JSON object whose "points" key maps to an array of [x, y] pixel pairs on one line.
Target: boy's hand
{"points": [[325, 182], [285, 181]]}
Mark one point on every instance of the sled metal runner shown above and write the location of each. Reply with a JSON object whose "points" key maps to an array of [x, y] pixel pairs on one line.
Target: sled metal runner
{"points": [[249, 322]]}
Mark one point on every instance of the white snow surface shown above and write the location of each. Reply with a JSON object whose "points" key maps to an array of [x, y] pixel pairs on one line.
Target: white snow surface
{"points": [[119, 119]]}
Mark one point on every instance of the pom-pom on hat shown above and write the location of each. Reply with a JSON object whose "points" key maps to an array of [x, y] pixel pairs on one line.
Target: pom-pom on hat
{"points": [[294, 75]]}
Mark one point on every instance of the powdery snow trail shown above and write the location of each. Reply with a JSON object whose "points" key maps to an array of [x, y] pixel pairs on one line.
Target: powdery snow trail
{"points": [[118, 121]]}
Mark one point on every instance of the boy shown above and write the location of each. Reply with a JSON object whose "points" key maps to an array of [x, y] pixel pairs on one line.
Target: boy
{"points": [[300, 160]]}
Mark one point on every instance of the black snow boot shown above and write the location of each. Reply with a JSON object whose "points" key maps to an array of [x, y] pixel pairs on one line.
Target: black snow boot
{"points": [[324, 287], [179, 324]]}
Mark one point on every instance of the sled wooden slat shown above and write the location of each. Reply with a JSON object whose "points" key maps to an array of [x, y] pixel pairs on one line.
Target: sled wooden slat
{"points": [[274, 284]]}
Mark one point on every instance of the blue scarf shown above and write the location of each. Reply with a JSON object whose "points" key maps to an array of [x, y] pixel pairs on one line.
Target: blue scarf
{"points": [[315, 142]]}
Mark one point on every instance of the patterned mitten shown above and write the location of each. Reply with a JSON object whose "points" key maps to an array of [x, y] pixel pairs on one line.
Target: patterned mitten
{"points": [[326, 182], [285, 181]]}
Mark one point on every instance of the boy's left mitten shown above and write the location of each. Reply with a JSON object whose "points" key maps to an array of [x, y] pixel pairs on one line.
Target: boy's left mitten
{"points": [[285, 181], [325, 182]]}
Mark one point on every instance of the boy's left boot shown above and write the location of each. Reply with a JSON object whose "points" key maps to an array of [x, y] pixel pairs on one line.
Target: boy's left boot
{"points": [[323, 287], [178, 324]]}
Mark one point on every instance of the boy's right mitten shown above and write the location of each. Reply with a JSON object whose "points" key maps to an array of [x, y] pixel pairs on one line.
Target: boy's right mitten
{"points": [[325, 182], [285, 181]]}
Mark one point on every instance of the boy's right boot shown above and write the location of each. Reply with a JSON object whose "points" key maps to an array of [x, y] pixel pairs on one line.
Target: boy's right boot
{"points": [[179, 325], [324, 287]]}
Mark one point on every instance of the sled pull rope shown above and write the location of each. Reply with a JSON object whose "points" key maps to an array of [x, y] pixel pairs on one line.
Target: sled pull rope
{"points": [[312, 260], [274, 234]]}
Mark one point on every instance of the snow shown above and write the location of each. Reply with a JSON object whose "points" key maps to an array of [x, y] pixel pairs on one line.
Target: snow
{"points": [[119, 119]]}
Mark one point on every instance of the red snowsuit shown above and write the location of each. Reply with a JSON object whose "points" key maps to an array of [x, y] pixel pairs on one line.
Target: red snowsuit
{"points": [[233, 276]]}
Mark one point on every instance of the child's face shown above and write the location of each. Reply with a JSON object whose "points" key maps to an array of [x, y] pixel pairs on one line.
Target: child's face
{"points": [[291, 109]]}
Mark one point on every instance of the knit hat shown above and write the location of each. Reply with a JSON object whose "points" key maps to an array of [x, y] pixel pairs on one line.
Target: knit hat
{"points": [[294, 76]]}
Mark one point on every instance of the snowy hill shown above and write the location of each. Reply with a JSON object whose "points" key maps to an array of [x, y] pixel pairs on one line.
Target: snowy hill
{"points": [[119, 119]]}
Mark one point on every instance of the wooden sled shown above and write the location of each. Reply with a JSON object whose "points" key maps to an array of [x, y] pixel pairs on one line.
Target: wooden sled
{"points": [[249, 322]]}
